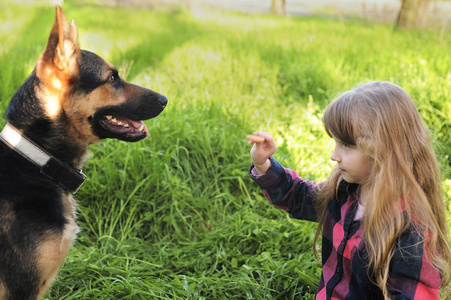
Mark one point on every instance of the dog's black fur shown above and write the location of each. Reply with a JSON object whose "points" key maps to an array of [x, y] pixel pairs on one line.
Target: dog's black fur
{"points": [[62, 107]]}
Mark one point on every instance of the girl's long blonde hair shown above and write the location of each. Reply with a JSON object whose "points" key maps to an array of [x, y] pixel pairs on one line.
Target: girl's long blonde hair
{"points": [[381, 120]]}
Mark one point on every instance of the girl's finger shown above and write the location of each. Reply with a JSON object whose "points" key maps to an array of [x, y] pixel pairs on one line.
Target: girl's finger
{"points": [[255, 138]]}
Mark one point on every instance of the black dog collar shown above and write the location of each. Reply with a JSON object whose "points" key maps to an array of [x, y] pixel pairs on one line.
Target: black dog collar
{"points": [[68, 177]]}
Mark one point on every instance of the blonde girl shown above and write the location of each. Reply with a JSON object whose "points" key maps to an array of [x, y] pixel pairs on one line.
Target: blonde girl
{"points": [[381, 213]]}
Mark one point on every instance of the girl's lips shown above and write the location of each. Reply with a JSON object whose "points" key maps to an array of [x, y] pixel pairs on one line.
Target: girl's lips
{"points": [[342, 171]]}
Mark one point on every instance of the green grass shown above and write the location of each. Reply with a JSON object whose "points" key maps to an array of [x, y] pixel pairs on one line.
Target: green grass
{"points": [[176, 216]]}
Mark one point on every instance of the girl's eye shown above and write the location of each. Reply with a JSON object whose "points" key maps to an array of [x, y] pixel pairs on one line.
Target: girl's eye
{"points": [[346, 146]]}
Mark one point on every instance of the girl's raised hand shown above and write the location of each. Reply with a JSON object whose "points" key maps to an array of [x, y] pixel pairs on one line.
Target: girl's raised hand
{"points": [[263, 147]]}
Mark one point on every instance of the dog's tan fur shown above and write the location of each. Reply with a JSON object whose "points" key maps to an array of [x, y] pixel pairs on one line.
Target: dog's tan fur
{"points": [[51, 252]]}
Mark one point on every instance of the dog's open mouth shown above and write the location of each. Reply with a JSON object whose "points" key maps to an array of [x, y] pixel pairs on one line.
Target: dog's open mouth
{"points": [[118, 127], [123, 122], [122, 125]]}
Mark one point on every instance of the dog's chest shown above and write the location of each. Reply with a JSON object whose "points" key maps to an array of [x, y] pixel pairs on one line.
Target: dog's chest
{"points": [[52, 251]]}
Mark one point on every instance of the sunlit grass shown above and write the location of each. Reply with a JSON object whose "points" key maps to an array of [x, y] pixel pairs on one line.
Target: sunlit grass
{"points": [[176, 216]]}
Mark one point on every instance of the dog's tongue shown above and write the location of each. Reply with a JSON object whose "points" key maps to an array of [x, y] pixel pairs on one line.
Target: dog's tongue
{"points": [[138, 124]]}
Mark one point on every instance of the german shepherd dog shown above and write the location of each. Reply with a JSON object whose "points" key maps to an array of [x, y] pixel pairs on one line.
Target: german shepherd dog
{"points": [[72, 98]]}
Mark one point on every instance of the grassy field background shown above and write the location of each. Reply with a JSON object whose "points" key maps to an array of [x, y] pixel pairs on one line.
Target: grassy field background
{"points": [[175, 216]]}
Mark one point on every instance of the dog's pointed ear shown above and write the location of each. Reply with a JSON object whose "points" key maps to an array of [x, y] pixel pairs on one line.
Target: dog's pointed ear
{"points": [[62, 51]]}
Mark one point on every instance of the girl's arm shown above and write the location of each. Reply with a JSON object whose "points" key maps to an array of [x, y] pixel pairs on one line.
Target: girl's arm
{"points": [[412, 274], [283, 188]]}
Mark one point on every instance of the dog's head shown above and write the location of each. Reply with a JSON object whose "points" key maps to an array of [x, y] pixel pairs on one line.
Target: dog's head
{"points": [[84, 93]]}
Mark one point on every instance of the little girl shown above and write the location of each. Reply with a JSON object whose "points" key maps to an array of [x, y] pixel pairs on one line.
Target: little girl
{"points": [[381, 211]]}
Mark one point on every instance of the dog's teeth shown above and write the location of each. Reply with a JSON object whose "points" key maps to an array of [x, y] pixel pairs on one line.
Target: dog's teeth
{"points": [[113, 120], [141, 128], [120, 123], [126, 125], [108, 117]]}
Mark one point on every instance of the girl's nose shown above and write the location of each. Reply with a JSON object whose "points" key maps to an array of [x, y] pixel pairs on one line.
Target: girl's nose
{"points": [[334, 156]]}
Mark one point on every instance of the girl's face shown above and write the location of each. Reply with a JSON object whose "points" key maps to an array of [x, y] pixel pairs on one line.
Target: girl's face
{"points": [[355, 166]]}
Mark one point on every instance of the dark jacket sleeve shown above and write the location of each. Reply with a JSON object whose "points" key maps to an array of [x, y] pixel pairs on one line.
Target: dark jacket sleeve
{"points": [[412, 275], [285, 189]]}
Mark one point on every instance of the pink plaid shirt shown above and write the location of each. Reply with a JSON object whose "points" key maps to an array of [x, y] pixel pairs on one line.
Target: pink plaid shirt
{"points": [[344, 255]]}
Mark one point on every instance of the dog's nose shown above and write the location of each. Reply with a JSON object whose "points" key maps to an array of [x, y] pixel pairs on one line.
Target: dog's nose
{"points": [[163, 100]]}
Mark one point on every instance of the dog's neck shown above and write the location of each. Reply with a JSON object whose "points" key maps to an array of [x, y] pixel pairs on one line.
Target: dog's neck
{"points": [[68, 177], [27, 114]]}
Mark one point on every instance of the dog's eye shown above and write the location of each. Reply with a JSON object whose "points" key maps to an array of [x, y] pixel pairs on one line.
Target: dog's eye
{"points": [[112, 78]]}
